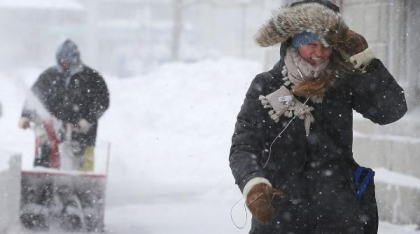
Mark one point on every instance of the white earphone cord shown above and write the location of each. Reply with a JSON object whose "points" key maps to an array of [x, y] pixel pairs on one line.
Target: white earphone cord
{"points": [[284, 129]]}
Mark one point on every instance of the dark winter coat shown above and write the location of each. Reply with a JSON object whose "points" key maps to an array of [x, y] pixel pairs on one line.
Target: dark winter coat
{"points": [[85, 96], [315, 171]]}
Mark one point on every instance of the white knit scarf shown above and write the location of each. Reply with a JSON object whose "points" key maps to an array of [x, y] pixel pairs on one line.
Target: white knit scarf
{"points": [[282, 101], [299, 70]]}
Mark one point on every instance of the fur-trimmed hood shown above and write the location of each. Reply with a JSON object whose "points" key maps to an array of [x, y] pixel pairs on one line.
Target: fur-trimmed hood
{"points": [[288, 21]]}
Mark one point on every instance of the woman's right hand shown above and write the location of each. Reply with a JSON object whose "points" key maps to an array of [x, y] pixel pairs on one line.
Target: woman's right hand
{"points": [[259, 201]]}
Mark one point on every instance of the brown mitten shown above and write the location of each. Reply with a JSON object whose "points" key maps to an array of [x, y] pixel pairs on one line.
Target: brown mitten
{"points": [[353, 47], [259, 200]]}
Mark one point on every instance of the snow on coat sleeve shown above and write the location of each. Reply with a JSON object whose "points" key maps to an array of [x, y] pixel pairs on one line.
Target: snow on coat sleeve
{"points": [[248, 139], [51, 96], [377, 96]]}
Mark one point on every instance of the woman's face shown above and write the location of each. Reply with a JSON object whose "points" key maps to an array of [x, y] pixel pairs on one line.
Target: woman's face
{"points": [[315, 53]]}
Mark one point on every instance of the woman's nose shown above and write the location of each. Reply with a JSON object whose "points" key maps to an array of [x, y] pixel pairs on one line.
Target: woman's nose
{"points": [[319, 51]]}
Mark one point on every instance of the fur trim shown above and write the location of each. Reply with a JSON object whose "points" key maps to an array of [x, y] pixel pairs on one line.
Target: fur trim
{"points": [[362, 58], [252, 182], [311, 17]]}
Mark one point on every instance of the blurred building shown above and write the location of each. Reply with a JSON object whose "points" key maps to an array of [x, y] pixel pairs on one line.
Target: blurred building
{"points": [[29, 27], [392, 28], [125, 37], [117, 37]]}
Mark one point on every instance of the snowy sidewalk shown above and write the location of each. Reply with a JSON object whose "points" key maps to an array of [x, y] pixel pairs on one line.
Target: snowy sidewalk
{"points": [[187, 214]]}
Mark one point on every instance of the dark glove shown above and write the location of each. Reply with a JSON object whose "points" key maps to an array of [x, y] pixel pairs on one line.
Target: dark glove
{"points": [[259, 200], [353, 47]]}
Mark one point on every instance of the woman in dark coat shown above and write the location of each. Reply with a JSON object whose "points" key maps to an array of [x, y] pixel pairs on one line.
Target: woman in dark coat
{"points": [[291, 151]]}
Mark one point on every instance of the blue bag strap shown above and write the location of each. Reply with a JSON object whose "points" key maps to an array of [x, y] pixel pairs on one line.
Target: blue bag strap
{"points": [[357, 173], [364, 184]]}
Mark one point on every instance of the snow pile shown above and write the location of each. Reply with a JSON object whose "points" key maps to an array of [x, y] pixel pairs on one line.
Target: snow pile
{"points": [[10, 187], [170, 130]]}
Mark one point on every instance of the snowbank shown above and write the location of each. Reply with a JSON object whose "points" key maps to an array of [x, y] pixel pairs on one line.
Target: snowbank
{"points": [[170, 130], [10, 196]]}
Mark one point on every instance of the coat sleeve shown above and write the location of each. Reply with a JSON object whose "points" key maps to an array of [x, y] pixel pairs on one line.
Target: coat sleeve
{"points": [[377, 96], [48, 95], [249, 136], [99, 96]]}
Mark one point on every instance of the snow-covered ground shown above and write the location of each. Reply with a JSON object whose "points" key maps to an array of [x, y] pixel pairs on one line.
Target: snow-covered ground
{"points": [[170, 135]]}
